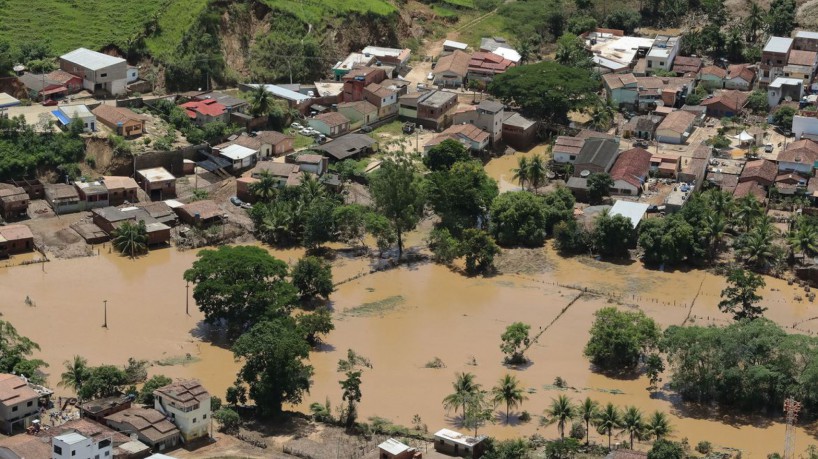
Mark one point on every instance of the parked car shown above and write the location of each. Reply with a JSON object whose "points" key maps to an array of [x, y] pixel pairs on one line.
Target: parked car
{"points": [[421, 86], [236, 201], [296, 126], [430, 76], [304, 131], [366, 128], [50, 102], [768, 148]]}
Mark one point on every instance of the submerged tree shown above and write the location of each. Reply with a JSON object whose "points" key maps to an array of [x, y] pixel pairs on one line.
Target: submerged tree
{"points": [[464, 386], [509, 391], [515, 341], [740, 297], [131, 238], [561, 412], [609, 418], [398, 196]]}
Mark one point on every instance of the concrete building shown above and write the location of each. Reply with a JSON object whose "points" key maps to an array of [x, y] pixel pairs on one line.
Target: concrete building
{"points": [[157, 182], [471, 136], [457, 444], [642, 127], [109, 219], [99, 72], [63, 198], [393, 449], [206, 111], [726, 103], [40, 444], [240, 157], [450, 46], [483, 66], [121, 189], [799, 156], [805, 40], [348, 146], [352, 60], [18, 404], [188, 405], [92, 194], [67, 113], [687, 66], [13, 202], [201, 213], [429, 109], [784, 89], [295, 100], [310, 163], [122, 121], [15, 239], [614, 53], [332, 124], [646, 93], [774, 58], [390, 56], [151, 427], [662, 53], [712, 77], [595, 156], [802, 65], [359, 78], [97, 409], [383, 97], [566, 149], [519, 132], [740, 77], [74, 445]]}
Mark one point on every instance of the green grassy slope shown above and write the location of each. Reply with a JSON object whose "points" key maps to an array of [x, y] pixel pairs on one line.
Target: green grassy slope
{"points": [[69, 24], [315, 11], [175, 20]]}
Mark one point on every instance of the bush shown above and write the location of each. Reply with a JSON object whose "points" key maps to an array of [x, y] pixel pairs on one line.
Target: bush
{"points": [[578, 431], [518, 218], [146, 394], [312, 277], [570, 238], [229, 420], [215, 403], [704, 447]]}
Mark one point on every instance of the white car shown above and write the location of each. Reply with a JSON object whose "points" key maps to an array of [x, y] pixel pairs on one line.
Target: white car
{"points": [[430, 76], [304, 131], [296, 126]]}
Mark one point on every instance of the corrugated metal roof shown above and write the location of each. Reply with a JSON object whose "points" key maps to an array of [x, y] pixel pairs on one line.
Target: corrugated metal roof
{"points": [[283, 93], [91, 60], [632, 210], [778, 45]]}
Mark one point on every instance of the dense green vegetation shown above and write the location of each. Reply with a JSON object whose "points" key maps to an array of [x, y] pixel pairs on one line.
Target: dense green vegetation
{"points": [[621, 339], [23, 149]]}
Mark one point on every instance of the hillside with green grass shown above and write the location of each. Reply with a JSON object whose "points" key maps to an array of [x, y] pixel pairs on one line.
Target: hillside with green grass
{"points": [[69, 24]]}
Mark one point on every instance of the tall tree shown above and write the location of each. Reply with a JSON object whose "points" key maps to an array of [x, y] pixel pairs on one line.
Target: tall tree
{"points": [[589, 412], [620, 339], [464, 386], [351, 387], [312, 277], [610, 418], [599, 186], [804, 238], [509, 391], [781, 18], [546, 91], [265, 187], [273, 353], [536, 172], [515, 341], [461, 195], [740, 297], [238, 286], [561, 412], [398, 195], [478, 410], [754, 22], [632, 423], [445, 154]]}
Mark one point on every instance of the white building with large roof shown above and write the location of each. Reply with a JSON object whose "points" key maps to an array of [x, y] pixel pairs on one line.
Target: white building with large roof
{"points": [[99, 72]]}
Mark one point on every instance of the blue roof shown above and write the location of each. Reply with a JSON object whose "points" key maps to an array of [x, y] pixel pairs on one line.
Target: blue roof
{"points": [[61, 116]]}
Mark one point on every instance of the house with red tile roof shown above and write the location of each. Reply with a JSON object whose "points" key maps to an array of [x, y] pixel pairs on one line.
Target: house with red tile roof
{"points": [[761, 170], [712, 77], [687, 66], [799, 156], [726, 103], [630, 171], [451, 70], [469, 135], [484, 65], [332, 124], [740, 77], [205, 111]]}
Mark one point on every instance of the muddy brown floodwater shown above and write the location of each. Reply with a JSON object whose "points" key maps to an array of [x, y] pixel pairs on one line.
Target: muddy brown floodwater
{"points": [[400, 320]]}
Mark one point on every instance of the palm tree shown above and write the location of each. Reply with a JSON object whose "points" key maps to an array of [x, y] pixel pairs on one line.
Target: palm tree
{"points": [[632, 422], [560, 412], [536, 172], [521, 172], [609, 418], [757, 246], [658, 425], [748, 209], [131, 238], [713, 229], [754, 21], [265, 188], [721, 202], [464, 387], [75, 374], [277, 222], [261, 101], [509, 391], [588, 411], [804, 238], [311, 188]]}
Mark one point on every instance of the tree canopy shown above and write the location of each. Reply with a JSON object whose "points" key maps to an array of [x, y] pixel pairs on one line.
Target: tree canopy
{"points": [[461, 195], [546, 91], [274, 370], [239, 286], [518, 218], [740, 297], [445, 154], [398, 195], [620, 339]]}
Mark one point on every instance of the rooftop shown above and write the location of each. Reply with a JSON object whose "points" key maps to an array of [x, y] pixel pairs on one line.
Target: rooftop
{"points": [[332, 119], [800, 57], [115, 182], [743, 71], [456, 62], [148, 422], [91, 60], [76, 110], [734, 100], [379, 51], [156, 174], [206, 209], [778, 45], [599, 152], [620, 49], [458, 437], [283, 93], [713, 70], [393, 446], [346, 146], [632, 166], [803, 151], [806, 34], [569, 145], [70, 438], [454, 44], [634, 211], [686, 64], [352, 60], [208, 107], [237, 152], [780, 81], [489, 61], [15, 232], [13, 389], [184, 393], [662, 46], [678, 121], [436, 99], [515, 119]]}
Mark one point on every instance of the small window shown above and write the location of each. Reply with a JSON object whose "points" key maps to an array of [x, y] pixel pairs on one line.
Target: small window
{"points": [[194, 420], [204, 416], [107, 453], [73, 453], [15, 408], [103, 75], [30, 402], [57, 449]]}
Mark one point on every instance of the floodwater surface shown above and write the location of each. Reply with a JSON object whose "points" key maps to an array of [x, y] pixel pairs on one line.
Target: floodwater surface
{"points": [[401, 320]]}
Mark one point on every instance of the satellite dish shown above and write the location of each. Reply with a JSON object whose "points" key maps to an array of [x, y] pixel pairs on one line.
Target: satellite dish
{"points": [[585, 173]]}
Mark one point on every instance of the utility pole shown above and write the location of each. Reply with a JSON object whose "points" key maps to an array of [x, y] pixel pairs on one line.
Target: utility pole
{"points": [[105, 323], [187, 298], [791, 409]]}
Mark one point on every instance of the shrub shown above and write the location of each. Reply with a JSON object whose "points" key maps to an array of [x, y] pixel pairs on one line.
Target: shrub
{"points": [[228, 420], [704, 447]]}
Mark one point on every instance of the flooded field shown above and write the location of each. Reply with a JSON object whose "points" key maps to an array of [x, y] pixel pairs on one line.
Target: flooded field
{"points": [[400, 320]]}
